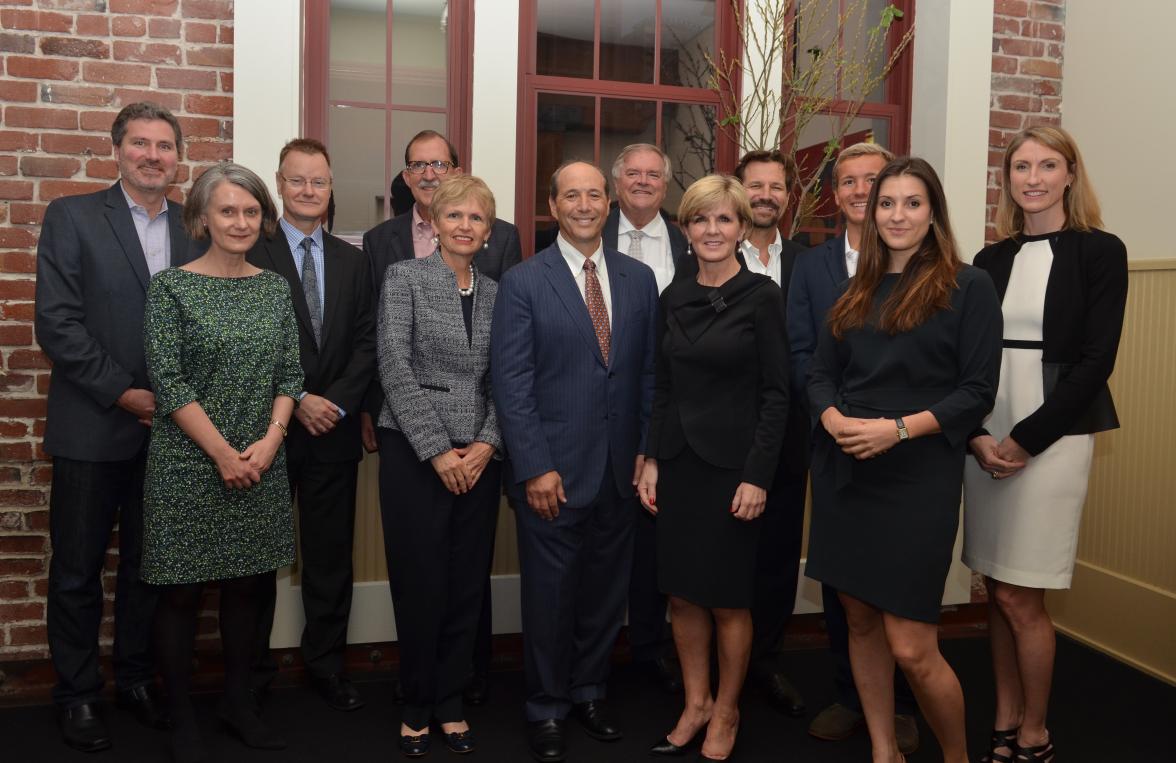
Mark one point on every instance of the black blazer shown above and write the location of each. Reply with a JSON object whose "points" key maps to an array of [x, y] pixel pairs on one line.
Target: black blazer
{"points": [[343, 367], [91, 292], [794, 454], [1085, 298]]}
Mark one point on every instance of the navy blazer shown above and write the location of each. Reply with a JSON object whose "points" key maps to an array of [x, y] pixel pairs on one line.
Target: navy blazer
{"points": [[561, 405], [91, 291], [818, 278]]}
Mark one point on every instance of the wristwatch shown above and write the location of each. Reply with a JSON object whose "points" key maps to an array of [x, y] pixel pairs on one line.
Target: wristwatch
{"points": [[903, 434]]}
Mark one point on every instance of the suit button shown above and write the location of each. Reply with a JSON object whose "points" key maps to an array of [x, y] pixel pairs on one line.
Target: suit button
{"points": [[611, 374]]}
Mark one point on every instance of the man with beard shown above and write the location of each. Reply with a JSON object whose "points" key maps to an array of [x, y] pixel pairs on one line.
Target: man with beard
{"points": [[768, 177], [96, 256], [817, 280]]}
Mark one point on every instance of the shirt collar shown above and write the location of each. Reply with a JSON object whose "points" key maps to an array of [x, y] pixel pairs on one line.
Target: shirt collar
{"points": [[849, 250], [294, 236], [575, 259], [655, 228], [417, 222], [134, 205], [774, 248]]}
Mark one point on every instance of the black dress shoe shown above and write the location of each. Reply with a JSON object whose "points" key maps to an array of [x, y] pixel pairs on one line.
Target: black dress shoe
{"points": [[546, 740], [782, 695], [477, 691], [82, 728], [593, 717], [244, 723], [460, 742], [667, 749], [664, 673], [339, 692], [144, 702], [414, 746]]}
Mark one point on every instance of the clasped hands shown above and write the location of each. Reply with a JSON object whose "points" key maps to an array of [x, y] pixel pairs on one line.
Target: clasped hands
{"points": [[243, 470], [860, 438], [747, 504], [460, 468], [1000, 460]]}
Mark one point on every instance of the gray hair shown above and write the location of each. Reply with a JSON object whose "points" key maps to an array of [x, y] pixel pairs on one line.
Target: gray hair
{"points": [[144, 110], [242, 177], [633, 148]]}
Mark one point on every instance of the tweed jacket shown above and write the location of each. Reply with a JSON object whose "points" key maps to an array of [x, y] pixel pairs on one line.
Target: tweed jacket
{"points": [[436, 381]]}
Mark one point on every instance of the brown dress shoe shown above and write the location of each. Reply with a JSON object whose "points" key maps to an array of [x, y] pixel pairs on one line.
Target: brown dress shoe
{"points": [[906, 731], [836, 722]]}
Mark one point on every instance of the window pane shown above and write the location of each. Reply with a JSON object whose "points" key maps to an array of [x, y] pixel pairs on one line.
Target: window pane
{"points": [[418, 53], [688, 36], [565, 35], [626, 39], [358, 46], [565, 129], [623, 122], [689, 138], [820, 211]]}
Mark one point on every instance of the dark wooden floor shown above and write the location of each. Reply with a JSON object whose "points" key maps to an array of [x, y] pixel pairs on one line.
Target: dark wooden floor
{"points": [[1102, 711]]}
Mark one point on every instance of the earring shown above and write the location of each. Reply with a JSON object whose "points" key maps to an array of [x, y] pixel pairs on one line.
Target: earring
{"points": [[486, 243]]}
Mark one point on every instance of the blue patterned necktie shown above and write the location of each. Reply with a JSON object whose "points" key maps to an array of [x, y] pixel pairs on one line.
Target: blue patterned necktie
{"points": [[310, 290]]}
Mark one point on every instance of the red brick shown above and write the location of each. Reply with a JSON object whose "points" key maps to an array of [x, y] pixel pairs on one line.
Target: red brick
{"points": [[217, 105], [37, 520], [27, 635], [42, 389], [128, 26], [226, 80], [1018, 8], [55, 143], [102, 168], [181, 177], [186, 79], [28, 359], [164, 29], [1047, 11], [18, 141], [74, 5], [74, 47], [210, 152], [41, 21], [1051, 105], [97, 121], [148, 52], [41, 475], [15, 238], [21, 566], [13, 429], [18, 91], [24, 611], [226, 34], [22, 544], [125, 96], [117, 74], [9, 474], [213, 55], [16, 190], [1041, 68], [1004, 65], [48, 167], [84, 96], [13, 589], [94, 26], [200, 127], [1001, 85], [1018, 103], [207, 9], [1002, 25], [15, 335], [15, 451], [197, 32], [36, 116], [15, 382], [17, 262], [54, 189], [8, 165], [41, 68], [1047, 31], [1015, 47], [24, 214], [17, 43], [17, 311]]}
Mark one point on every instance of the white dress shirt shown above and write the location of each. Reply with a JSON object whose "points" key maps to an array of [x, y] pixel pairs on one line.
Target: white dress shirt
{"points": [[751, 255], [655, 247], [575, 261], [154, 234], [851, 257]]}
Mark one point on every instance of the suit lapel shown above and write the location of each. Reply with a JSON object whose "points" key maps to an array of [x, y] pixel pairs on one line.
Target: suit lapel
{"points": [[180, 243], [282, 262], [561, 280], [835, 260], [118, 214], [612, 228], [402, 247], [333, 289]]}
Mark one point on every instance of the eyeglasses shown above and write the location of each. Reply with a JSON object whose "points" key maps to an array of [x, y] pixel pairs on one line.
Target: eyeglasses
{"points": [[440, 167], [318, 184]]}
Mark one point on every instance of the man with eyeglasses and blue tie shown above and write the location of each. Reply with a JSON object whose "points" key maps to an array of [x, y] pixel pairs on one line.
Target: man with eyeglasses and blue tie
{"points": [[330, 286]]}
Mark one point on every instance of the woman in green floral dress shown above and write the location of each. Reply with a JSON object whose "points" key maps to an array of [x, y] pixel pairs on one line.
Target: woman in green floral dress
{"points": [[222, 353]]}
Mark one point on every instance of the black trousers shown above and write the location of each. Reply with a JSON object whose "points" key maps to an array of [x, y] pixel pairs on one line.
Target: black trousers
{"points": [[325, 491], [837, 627], [777, 568], [574, 579], [649, 633], [438, 547], [87, 498]]}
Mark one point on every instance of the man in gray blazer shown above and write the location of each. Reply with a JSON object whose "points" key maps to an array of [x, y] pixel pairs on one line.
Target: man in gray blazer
{"points": [[96, 255]]}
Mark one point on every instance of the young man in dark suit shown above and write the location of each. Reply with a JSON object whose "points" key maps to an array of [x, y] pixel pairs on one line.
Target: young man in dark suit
{"points": [[571, 359], [95, 258], [330, 285], [818, 277]]}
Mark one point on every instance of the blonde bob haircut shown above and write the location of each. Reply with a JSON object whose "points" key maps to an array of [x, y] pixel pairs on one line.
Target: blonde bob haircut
{"points": [[458, 188], [1079, 200], [715, 191]]}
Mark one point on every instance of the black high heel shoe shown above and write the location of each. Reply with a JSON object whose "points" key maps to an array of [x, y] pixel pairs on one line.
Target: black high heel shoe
{"points": [[1001, 738], [415, 746], [664, 748], [1042, 753], [459, 742]]}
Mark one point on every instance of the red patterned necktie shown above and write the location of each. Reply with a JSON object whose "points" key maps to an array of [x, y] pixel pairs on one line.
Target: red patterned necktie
{"points": [[596, 309]]}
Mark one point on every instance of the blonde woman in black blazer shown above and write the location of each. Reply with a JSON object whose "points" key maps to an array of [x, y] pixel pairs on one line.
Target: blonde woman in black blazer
{"points": [[439, 460], [1063, 284]]}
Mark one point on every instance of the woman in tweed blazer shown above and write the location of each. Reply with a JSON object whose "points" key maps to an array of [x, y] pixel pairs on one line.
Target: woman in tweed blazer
{"points": [[439, 460]]}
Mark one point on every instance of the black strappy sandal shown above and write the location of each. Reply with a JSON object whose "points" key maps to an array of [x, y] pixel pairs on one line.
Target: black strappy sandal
{"points": [[1006, 738], [1042, 753]]}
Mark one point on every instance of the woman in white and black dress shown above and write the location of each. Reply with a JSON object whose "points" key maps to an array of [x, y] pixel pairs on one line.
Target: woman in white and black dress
{"points": [[1063, 283]]}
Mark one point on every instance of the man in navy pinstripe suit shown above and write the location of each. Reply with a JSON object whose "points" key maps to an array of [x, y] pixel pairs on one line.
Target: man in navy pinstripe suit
{"points": [[572, 371]]}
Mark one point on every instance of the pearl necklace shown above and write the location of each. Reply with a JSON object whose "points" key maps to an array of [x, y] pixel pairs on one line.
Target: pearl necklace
{"points": [[468, 292]]}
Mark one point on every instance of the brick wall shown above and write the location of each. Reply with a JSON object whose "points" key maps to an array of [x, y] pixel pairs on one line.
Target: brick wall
{"points": [[1028, 39], [66, 68]]}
